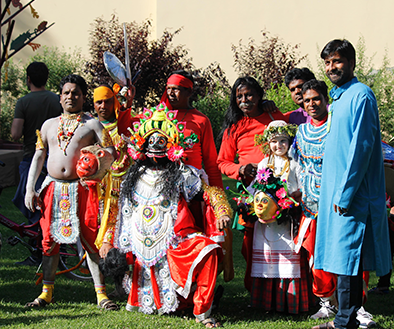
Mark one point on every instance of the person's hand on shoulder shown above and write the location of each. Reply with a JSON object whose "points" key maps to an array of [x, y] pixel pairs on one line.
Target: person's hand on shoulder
{"points": [[269, 106]]}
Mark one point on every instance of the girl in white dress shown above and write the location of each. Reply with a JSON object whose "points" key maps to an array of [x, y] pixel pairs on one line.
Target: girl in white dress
{"points": [[280, 280]]}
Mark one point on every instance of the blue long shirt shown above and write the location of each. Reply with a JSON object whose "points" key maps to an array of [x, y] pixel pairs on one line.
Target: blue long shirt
{"points": [[353, 178]]}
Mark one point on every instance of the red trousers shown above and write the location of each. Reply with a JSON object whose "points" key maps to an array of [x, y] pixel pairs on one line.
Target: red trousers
{"points": [[87, 213], [324, 283]]}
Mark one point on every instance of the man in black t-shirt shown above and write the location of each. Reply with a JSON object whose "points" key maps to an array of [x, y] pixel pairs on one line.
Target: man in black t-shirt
{"points": [[30, 113]]}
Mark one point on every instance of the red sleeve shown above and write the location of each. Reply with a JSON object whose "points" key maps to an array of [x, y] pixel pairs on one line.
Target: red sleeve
{"points": [[125, 119], [209, 155], [227, 153], [287, 115]]}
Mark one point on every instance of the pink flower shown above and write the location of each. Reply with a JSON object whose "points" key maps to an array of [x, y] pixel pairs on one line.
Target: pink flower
{"points": [[136, 155], [161, 107], [281, 193], [175, 153], [285, 203], [263, 175]]}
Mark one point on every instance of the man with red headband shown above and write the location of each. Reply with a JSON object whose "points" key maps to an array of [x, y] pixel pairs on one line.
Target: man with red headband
{"points": [[176, 96]]}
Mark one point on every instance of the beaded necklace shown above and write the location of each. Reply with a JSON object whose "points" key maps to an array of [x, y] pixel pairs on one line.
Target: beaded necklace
{"points": [[271, 165], [68, 123]]}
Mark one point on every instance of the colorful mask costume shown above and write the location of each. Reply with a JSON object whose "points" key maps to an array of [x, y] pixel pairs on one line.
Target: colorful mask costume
{"points": [[155, 226]]}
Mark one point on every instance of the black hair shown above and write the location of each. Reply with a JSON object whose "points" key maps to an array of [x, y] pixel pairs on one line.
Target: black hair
{"points": [[170, 177], [299, 74], [38, 73], [78, 80], [342, 47], [317, 85], [234, 113], [185, 74], [114, 265]]}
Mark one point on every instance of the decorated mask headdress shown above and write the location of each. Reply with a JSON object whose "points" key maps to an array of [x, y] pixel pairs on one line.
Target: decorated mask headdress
{"points": [[163, 121], [275, 203], [275, 129]]}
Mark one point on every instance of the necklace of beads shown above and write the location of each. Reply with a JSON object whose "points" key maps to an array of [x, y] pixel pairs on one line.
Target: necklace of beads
{"points": [[271, 164], [68, 123]]}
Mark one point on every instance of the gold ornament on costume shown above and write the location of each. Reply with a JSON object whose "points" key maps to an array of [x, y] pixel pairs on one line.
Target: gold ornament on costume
{"points": [[39, 143], [218, 200], [106, 138]]}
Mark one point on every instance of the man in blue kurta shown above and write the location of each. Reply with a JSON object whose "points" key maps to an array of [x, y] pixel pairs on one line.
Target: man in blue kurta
{"points": [[352, 231]]}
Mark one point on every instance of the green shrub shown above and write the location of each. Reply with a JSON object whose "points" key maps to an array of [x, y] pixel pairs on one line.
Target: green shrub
{"points": [[60, 63], [13, 80], [380, 80], [280, 94], [214, 106]]}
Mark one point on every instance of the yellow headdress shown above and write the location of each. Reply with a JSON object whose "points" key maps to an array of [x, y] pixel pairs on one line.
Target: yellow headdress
{"points": [[161, 119]]}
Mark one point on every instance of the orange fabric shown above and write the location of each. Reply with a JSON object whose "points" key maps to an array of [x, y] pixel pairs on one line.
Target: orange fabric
{"points": [[87, 213], [324, 283], [155, 288], [102, 93], [241, 143], [185, 223], [133, 295]]}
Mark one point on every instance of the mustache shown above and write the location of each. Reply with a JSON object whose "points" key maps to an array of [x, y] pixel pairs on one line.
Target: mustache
{"points": [[243, 104], [335, 71]]}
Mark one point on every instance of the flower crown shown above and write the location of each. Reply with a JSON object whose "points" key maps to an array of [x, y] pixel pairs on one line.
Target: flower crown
{"points": [[288, 130], [160, 119]]}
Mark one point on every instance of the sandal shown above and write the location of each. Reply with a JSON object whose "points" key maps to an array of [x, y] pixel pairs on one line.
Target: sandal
{"points": [[108, 305], [39, 303], [327, 325], [210, 323]]}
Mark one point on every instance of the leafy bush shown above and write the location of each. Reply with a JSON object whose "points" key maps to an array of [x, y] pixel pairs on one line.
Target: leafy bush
{"points": [[214, 105], [13, 80], [155, 58], [60, 63], [267, 61], [280, 94], [380, 80]]}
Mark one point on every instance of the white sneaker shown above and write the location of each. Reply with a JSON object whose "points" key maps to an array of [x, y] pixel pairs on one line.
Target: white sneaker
{"points": [[326, 311], [365, 319]]}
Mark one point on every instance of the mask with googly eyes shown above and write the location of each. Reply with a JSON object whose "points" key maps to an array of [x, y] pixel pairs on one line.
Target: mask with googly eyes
{"points": [[265, 208], [157, 146]]}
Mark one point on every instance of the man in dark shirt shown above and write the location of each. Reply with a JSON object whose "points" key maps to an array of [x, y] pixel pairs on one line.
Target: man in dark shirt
{"points": [[30, 113], [294, 80]]}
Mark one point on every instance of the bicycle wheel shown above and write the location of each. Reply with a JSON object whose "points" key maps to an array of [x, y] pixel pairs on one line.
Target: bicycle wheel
{"points": [[70, 255]]}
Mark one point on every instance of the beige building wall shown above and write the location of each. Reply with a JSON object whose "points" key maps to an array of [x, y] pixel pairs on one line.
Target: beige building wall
{"points": [[210, 27]]}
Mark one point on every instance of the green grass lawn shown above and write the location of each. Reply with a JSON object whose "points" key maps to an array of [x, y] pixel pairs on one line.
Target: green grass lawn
{"points": [[75, 301]]}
